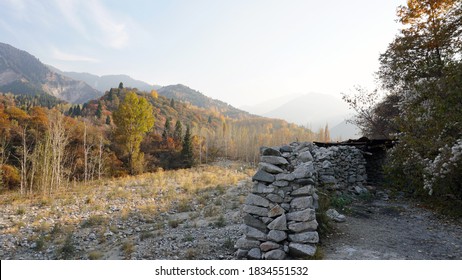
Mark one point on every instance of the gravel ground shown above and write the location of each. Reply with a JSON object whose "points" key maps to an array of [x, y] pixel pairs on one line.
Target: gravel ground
{"points": [[394, 229]]}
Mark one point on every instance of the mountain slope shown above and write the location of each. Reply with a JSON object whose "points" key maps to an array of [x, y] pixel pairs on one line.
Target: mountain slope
{"points": [[22, 73], [313, 109], [186, 94], [103, 83]]}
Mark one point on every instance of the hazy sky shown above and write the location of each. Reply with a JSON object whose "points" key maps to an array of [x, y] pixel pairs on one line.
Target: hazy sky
{"points": [[241, 52]]}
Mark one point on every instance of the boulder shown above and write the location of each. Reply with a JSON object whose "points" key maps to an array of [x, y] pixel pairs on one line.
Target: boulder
{"points": [[301, 203], [259, 211], [303, 226], [276, 211], [254, 254], [304, 237]]}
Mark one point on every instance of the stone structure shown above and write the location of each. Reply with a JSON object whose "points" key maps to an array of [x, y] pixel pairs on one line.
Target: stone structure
{"points": [[280, 220]]}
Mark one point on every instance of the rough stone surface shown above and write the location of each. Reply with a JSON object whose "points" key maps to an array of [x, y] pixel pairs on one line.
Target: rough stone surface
{"points": [[277, 254], [274, 198], [270, 168], [276, 211], [280, 183], [304, 237], [303, 191], [335, 216], [280, 223], [246, 244], [274, 160], [254, 233], [262, 188], [268, 245], [301, 203], [259, 211], [302, 216], [305, 170], [301, 250], [266, 151], [256, 200], [285, 177], [277, 235], [253, 222], [254, 254], [305, 156], [263, 176], [303, 226]]}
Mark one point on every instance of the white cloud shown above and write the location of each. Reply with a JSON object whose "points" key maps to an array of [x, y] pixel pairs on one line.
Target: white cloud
{"points": [[95, 22], [59, 55]]}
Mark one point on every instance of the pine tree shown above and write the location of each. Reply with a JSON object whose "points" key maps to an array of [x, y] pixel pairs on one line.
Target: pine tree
{"points": [[178, 132], [108, 120], [172, 103], [187, 154], [167, 128], [99, 110]]}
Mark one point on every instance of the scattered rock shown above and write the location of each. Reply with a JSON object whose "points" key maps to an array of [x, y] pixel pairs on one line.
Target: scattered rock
{"points": [[335, 216]]}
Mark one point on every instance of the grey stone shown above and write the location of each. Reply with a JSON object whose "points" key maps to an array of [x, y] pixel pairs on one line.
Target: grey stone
{"points": [[262, 188], [246, 244], [274, 160], [305, 190], [241, 253], [256, 200], [276, 211], [305, 156], [335, 216], [267, 220], [277, 254], [301, 250], [254, 254], [352, 179], [266, 151], [274, 198], [285, 177], [270, 168], [277, 235], [263, 176], [286, 149], [305, 181], [286, 206], [304, 170], [280, 223], [268, 245], [303, 226], [259, 211], [301, 203], [360, 190], [302, 216], [280, 183], [304, 237], [328, 179], [326, 164], [253, 222], [254, 233]]}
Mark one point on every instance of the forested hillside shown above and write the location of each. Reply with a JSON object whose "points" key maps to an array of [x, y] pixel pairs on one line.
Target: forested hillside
{"points": [[124, 132], [421, 73]]}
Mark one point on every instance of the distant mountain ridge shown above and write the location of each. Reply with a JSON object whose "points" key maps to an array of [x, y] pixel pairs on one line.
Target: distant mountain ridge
{"points": [[105, 82], [23, 73], [194, 97]]}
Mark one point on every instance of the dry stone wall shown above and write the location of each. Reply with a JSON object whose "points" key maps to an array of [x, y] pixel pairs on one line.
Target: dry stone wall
{"points": [[280, 220]]}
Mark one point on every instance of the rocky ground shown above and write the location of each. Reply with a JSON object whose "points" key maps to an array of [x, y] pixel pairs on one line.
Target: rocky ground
{"points": [[117, 224], [397, 228], [122, 222]]}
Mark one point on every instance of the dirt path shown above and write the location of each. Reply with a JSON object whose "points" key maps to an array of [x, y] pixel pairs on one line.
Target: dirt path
{"points": [[393, 229]]}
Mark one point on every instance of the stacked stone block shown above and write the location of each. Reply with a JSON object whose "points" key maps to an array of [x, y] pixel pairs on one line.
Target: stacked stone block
{"points": [[280, 212]]}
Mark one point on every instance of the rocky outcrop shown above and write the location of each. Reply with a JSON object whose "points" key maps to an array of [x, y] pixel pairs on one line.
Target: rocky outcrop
{"points": [[280, 219]]}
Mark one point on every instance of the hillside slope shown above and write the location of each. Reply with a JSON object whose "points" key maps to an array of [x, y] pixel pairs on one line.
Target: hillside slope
{"points": [[22, 73]]}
